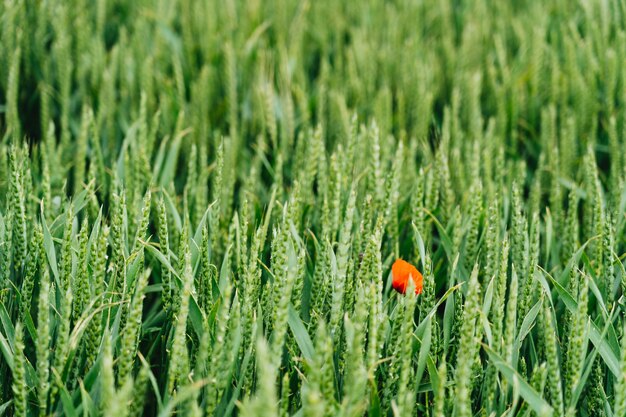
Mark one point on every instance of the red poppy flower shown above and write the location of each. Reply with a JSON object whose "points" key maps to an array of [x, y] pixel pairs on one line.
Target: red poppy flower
{"points": [[402, 271]]}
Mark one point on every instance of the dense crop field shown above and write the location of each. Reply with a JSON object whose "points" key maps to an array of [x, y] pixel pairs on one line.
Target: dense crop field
{"points": [[201, 203]]}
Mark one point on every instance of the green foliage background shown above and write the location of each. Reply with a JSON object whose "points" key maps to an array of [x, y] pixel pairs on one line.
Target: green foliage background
{"points": [[200, 202]]}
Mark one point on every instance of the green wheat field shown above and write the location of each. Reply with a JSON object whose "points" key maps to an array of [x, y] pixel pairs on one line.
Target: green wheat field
{"points": [[201, 201]]}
